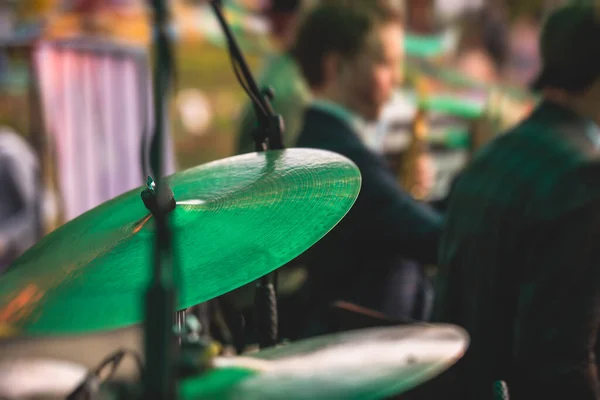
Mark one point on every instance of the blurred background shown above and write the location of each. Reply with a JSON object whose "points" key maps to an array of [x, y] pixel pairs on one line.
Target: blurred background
{"points": [[468, 66]]}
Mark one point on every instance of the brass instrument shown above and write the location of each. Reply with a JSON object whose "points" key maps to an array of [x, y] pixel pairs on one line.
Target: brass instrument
{"points": [[484, 129], [416, 150]]}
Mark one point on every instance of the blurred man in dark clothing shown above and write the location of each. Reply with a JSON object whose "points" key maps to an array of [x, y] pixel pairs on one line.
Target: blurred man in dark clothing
{"points": [[19, 197], [519, 258], [351, 55]]}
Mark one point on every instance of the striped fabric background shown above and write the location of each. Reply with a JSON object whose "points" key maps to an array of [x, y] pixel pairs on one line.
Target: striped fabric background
{"points": [[97, 102]]}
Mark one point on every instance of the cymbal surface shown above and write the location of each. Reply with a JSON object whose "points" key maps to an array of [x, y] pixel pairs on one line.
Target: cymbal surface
{"points": [[236, 220], [39, 378], [365, 364]]}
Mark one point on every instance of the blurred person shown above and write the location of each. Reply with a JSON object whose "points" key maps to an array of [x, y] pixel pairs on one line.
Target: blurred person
{"points": [[518, 258], [7, 27], [496, 22], [482, 48], [523, 56], [477, 65], [281, 73], [420, 17], [351, 57], [85, 6], [35, 9], [122, 20], [426, 35], [19, 197]]}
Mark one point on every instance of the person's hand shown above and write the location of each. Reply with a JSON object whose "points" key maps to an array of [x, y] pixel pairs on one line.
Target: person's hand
{"points": [[425, 173]]}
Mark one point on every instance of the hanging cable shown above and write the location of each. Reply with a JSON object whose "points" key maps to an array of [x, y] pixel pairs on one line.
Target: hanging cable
{"points": [[99, 376]]}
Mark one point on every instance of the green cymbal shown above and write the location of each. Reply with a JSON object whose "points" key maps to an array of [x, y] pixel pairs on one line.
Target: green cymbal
{"points": [[236, 220]]}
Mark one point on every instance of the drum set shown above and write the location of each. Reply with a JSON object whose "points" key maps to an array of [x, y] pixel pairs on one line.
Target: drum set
{"points": [[96, 309]]}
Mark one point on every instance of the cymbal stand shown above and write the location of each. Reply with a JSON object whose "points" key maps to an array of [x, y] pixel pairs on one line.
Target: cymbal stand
{"points": [[159, 375], [179, 324], [267, 136]]}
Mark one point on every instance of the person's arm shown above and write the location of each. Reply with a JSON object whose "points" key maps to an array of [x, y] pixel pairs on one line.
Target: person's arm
{"points": [[441, 205], [393, 217]]}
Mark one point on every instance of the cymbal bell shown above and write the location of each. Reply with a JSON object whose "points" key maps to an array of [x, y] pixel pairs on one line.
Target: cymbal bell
{"points": [[236, 220]]}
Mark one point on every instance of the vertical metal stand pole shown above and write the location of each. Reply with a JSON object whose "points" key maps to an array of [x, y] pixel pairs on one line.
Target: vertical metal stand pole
{"points": [[159, 379], [269, 136]]}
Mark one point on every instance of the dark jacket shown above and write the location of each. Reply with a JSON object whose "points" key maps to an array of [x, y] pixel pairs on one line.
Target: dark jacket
{"points": [[20, 200], [520, 261], [351, 263]]}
